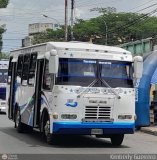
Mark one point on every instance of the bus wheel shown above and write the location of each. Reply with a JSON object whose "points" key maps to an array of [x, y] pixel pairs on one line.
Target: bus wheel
{"points": [[117, 139], [18, 124], [46, 130]]}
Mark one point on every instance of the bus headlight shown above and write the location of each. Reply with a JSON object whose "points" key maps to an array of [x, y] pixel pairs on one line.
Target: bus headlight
{"points": [[124, 116], [55, 116], [68, 116]]}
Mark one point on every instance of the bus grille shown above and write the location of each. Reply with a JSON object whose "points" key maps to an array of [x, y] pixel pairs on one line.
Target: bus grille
{"points": [[98, 112]]}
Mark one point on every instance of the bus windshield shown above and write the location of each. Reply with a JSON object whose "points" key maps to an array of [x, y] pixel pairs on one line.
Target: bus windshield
{"points": [[3, 75], [82, 72]]}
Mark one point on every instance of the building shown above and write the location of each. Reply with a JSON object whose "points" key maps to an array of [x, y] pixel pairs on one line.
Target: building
{"points": [[36, 28], [39, 27], [27, 41]]}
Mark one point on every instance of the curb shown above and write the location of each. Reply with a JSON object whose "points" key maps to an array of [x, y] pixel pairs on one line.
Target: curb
{"points": [[149, 130]]}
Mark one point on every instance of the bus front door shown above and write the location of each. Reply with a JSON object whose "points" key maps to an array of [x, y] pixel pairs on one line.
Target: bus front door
{"points": [[11, 97], [38, 85]]}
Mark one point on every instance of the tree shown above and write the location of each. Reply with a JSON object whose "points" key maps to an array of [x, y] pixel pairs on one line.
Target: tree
{"points": [[49, 35], [86, 30], [125, 27], [3, 4], [4, 56], [121, 28]]}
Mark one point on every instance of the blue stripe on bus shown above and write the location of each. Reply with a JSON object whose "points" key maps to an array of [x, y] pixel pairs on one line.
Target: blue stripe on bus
{"points": [[85, 128]]}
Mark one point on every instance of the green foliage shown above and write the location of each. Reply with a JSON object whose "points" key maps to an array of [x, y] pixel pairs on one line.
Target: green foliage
{"points": [[4, 3], [118, 27], [84, 30], [49, 35], [4, 56], [125, 27], [1, 42], [56, 35]]}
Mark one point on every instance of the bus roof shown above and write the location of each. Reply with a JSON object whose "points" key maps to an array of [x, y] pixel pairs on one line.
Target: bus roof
{"points": [[76, 46], [86, 46]]}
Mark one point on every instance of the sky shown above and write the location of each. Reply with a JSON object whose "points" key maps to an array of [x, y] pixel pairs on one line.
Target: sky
{"points": [[20, 13]]}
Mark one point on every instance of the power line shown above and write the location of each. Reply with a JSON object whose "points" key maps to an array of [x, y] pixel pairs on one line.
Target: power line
{"points": [[124, 26], [146, 7], [58, 10], [84, 5], [89, 3], [140, 5], [135, 21], [30, 13]]}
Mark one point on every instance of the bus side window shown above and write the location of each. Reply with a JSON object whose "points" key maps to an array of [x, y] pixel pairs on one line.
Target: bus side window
{"points": [[25, 69], [10, 70], [32, 67], [19, 68], [47, 77]]}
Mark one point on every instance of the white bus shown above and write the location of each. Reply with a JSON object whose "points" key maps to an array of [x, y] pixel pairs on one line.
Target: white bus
{"points": [[3, 81], [64, 88]]}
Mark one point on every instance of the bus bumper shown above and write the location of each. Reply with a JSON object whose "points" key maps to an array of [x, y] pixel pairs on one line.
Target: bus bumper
{"points": [[86, 128]]}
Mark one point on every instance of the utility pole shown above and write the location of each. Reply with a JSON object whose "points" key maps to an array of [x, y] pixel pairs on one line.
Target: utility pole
{"points": [[106, 30], [72, 19], [66, 20]]}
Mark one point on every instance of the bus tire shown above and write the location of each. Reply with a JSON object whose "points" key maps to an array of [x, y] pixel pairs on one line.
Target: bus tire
{"points": [[29, 129], [46, 130], [18, 124], [117, 139]]}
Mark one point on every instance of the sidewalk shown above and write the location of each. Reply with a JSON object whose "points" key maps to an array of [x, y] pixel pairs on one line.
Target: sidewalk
{"points": [[150, 130]]}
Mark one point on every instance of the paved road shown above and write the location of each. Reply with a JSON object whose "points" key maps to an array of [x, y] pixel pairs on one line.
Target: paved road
{"points": [[12, 142]]}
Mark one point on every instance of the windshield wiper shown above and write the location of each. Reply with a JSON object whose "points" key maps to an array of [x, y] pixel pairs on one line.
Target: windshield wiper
{"points": [[106, 84], [92, 84]]}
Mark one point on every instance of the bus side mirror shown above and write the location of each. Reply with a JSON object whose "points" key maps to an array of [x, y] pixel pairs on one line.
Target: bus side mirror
{"points": [[138, 67], [53, 64]]}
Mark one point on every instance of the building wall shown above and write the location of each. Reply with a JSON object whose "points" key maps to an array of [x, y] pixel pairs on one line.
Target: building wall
{"points": [[140, 47], [27, 41], [39, 27]]}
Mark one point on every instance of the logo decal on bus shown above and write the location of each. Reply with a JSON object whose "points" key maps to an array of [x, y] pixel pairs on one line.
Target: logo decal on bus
{"points": [[71, 103]]}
